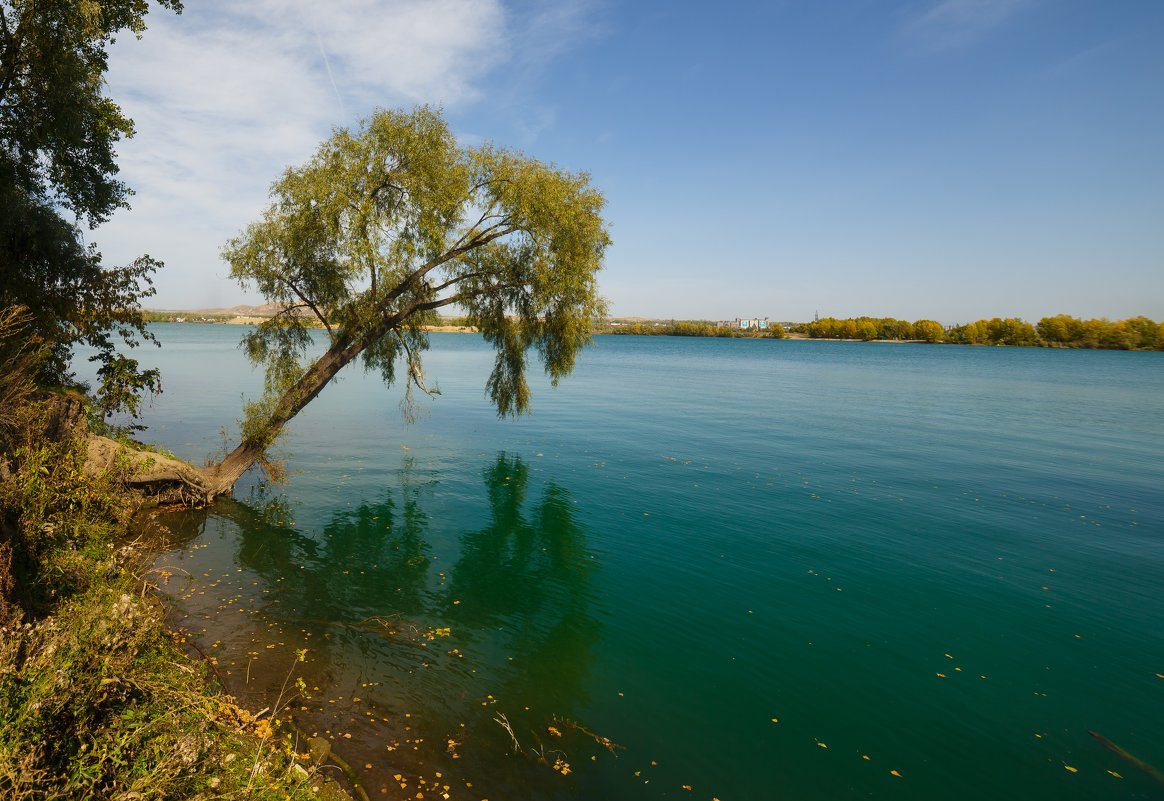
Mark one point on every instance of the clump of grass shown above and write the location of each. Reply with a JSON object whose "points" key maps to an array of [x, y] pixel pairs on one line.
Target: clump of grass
{"points": [[96, 698], [97, 702], [22, 354]]}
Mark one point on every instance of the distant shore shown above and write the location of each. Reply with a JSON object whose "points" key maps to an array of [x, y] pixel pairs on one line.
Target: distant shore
{"points": [[1060, 331], [227, 317]]}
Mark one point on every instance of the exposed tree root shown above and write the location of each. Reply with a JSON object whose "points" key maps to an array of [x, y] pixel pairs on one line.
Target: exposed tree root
{"points": [[154, 477]]}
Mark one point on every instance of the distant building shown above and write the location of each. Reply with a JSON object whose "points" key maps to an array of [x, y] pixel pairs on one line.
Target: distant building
{"points": [[753, 323]]}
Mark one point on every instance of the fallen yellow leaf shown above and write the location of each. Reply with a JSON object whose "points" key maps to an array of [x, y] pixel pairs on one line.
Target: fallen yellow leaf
{"points": [[1073, 770], [895, 773]]}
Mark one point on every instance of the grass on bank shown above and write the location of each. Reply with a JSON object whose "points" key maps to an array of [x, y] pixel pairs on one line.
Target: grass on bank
{"points": [[97, 698]]}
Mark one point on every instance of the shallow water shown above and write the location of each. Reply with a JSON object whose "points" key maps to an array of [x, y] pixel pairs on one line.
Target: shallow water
{"points": [[764, 569]]}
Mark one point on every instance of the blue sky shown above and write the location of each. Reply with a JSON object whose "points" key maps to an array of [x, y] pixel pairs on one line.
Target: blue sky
{"points": [[952, 159]]}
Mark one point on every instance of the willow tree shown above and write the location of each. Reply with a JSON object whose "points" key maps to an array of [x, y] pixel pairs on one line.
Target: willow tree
{"points": [[387, 225]]}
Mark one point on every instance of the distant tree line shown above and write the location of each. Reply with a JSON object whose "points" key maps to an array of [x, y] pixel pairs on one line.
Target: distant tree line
{"points": [[151, 316], [690, 328], [1061, 331]]}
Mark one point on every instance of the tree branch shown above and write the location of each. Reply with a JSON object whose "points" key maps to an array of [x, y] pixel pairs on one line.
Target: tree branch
{"points": [[10, 59], [385, 184], [482, 184], [449, 301], [457, 280], [444, 258], [485, 215], [308, 304], [414, 373], [501, 222], [288, 310]]}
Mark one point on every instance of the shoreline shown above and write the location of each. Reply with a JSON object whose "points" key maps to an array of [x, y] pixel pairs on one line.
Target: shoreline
{"points": [[86, 645], [211, 318], [253, 320]]}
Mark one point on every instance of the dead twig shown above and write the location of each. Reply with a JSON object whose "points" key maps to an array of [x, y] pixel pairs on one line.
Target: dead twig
{"points": [[503, 721], [573, 725]]}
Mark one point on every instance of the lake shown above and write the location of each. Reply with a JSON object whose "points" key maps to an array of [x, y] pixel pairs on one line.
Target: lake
{"points": [[701, 568]]}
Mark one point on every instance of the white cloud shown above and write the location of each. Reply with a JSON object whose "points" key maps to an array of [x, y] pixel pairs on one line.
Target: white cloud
{"points": [[952, 23], [228, 94]]}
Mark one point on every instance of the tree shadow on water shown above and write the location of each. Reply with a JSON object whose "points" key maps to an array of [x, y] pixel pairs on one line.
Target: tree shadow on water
{"points": [[489, 620], [518, 593], [524, 580]]}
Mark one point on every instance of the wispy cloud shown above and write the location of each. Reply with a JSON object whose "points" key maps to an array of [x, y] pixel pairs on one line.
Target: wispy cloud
{"points": [[227, 94], [538, 33], [953, 23]]}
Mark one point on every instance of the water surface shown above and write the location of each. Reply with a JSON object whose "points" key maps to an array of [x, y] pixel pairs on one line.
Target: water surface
{"points": [[765, 569]]}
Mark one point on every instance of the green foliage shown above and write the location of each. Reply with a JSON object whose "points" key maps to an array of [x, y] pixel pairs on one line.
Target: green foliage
{"points": [[58, 134], [72, 299], [394, 220], [96, 700], [60, 518], [1136, 333], [1011, 331], [929, 331], [864, 328]]}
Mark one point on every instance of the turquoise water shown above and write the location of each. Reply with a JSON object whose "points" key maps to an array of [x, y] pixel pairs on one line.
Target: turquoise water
{"points": [[764, 569]]}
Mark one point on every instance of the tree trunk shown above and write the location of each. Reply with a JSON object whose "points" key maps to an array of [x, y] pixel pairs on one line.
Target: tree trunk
{"points": [[220, 478], [178, 482]]}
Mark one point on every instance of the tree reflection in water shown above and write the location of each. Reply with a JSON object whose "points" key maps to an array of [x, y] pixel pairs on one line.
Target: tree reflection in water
{"points": [[412, 661]]}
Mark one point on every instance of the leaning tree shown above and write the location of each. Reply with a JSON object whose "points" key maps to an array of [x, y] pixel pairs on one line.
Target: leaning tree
{"points": [[388, 224]]}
